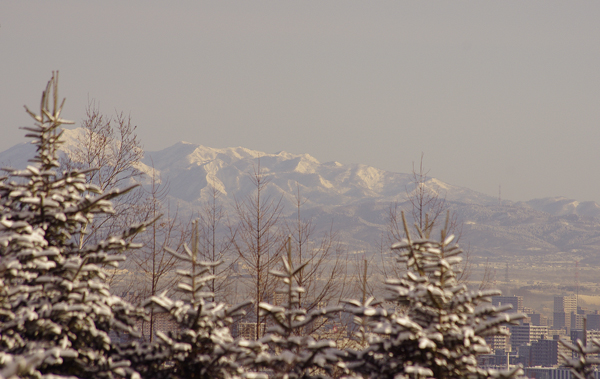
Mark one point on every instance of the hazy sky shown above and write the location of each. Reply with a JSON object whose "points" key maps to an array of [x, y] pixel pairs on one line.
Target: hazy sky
{"points": [[493, 92]]}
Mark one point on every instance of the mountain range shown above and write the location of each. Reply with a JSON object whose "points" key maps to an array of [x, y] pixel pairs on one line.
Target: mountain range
{"points": [[354, 199]]}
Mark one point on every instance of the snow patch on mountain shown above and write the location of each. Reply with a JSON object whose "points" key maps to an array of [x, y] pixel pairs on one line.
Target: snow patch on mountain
{"points": [[371, 177], [562, 206], [191, 168], [355, 197]]}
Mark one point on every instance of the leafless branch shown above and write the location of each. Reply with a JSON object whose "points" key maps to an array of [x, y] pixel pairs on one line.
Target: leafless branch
{"points": [[258, 242]]}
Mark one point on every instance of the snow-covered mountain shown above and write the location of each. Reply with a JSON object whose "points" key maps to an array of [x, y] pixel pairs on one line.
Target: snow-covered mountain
{"points": [[561, 206], [354, 199], [193, 169]]}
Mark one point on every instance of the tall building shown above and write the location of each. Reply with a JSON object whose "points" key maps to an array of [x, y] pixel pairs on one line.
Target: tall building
{"points": [[564, 306], [515, 301], [550, 372], [577, 321], [499, 341], [561, 320], [560, 333], [525, 334], [593, 321], [547, 352], [590, 334], [538, 319]]}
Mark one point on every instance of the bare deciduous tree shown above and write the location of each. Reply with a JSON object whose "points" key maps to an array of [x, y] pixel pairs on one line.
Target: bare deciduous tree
{"points": [[214, 244], [324, 276], [363, 285], [488, 276], [426, 203], [258, 242], [153, 265], [109, 151]]}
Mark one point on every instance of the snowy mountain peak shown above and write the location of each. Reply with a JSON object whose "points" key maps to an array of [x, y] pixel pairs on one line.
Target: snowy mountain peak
{"points": [[372, 178], [561, 206], [195, 154], [193, 169], [71, 136], [355, 197]]}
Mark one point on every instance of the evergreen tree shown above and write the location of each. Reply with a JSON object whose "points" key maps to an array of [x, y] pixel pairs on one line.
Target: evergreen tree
{"points": [[202, 347], [56, 312], [293, 354], [435, 327], [585, 358]]}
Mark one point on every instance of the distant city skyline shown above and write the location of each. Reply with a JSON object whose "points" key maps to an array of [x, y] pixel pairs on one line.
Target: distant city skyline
{"points": [[493, 93]]}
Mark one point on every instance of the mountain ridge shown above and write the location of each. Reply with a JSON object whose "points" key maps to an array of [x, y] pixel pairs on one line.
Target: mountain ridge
{"points": [[356, 198], [340, 179]]}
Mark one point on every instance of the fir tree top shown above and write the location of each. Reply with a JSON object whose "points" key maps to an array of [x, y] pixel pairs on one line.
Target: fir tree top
{"points": [[56, 309]]}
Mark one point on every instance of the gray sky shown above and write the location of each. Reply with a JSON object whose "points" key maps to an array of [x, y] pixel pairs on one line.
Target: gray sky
{"points": [[493, 92]]}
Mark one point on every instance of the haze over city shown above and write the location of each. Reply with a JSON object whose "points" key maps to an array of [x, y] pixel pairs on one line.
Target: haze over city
{"points": [[493, 93]]}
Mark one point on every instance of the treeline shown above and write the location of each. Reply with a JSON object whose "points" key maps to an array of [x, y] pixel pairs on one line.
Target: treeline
{"points": [[59, 248]]}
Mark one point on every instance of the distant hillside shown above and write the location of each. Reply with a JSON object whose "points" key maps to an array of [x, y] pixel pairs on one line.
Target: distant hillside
{"points": [[354, 199], [561, 206]]}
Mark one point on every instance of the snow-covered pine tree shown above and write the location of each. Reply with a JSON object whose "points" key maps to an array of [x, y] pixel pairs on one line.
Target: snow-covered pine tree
{"points": [[202, 347], [291, 354], [55, 310], [435, 327], [585, 360]]}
